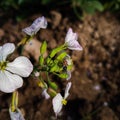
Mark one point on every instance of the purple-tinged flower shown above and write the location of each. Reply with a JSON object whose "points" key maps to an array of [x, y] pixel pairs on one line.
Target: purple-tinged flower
{"points": [[40, 22], [58, 101], [11, 73], [71, 40]]}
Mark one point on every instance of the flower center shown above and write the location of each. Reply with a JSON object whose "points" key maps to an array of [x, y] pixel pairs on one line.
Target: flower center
{"points": [[64, 102], [3, 65]]}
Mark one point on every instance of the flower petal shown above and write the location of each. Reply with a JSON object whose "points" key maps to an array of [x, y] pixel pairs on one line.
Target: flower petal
{"points": [[69, 35], [68, 59], [68, 86], [71, 40], [21, 66], [29, 30], [9, 82], [74, 45], [5, 50], [40, 22], [57, 103], [17, 115], [45, 94], [0, 47], [69, 75]]}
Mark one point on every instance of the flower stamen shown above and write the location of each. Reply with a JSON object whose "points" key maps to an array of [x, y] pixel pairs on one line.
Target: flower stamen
{"points": [[64, 102], [3, 65]]}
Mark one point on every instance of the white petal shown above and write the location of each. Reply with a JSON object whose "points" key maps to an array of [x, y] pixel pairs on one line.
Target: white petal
{"points": [[69, 35], [40, 22], [9, 82], [0, 47], [74, 45], [45, 94], [57, 103], [5, 50], [69, 75], [68, 86], [21, 66], [68, 59], [17, 115]]}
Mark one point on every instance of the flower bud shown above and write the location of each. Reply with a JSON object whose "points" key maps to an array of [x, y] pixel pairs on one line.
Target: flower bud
{"points": [[53, 85], [43, 47], [41, 60], [51, 92]]}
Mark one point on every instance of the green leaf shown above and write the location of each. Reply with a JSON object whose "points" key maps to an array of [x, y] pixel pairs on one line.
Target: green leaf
{"points": [[91, 6], [43, 47], [45, 1], [98, 5]]}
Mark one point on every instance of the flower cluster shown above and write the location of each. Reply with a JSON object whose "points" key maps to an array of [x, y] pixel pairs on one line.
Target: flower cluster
{"points": [[58, 63]]}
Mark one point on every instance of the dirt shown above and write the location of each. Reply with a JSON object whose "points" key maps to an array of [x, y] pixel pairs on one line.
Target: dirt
{"points": [[95, 92]]}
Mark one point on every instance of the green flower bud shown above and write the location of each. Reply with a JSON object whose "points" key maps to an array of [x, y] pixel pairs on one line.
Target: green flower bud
{"points": [[55, 68], [51, 92], [63, 75], [56, 50], [53, 85], [48, 60], [61, 56], [41, 60], [43, 47]]}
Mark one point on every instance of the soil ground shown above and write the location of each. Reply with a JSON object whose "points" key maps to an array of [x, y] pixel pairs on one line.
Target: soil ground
{"points": [[95, 92]]}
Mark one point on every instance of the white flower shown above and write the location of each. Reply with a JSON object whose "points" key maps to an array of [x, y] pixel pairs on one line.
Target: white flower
{"points": [[11, 73], [17, 115], [71, 40], [45, 94], [58, 101], [40, 22]]}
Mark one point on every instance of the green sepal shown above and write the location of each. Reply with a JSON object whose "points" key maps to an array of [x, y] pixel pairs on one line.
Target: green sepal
{"points": [[52, 85], [43, 47], [41, 60]]}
